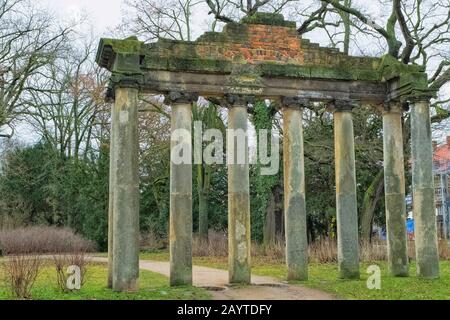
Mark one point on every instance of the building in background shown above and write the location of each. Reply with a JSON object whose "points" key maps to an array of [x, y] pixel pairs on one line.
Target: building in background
{"points": [[441, 169], [441, 161]]}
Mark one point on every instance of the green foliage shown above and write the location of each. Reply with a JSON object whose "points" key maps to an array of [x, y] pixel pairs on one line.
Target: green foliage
{"points": [[41, 187], [261, 186]]}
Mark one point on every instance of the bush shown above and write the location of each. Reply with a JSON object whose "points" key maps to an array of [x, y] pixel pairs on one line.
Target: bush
{"points": [[21, 272], [63, 262], [42, 240], [216, 245]]}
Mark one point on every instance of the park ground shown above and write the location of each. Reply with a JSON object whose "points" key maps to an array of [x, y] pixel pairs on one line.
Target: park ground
{"points": [[323, 283], [324, 277]]}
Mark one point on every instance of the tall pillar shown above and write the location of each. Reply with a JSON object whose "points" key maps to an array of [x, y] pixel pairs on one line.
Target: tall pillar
{"points": [[238, 192], [346, 205], [125, 178], [424, 209], [112, 170], [294, 190], [181, 188], [394, 182]]}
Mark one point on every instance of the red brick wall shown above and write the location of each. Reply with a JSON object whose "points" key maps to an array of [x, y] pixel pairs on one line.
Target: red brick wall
{"points": [[259, 43]]}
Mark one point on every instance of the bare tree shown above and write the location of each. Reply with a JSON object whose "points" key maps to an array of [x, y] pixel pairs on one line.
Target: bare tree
{"points": [[65, 108], [152, 19], [29, 40], [412, 31], [232, 10]]}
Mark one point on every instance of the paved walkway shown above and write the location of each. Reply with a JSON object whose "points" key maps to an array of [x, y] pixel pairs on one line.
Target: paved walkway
{"points": [[216, 281]]}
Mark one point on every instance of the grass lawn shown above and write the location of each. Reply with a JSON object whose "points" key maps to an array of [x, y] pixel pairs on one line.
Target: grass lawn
{"points": [[152, 287], [325, 277]]}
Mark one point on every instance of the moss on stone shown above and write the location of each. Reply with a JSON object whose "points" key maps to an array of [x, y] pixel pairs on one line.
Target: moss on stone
{"points": [[129, 45], [270, 19], [213, 37]]}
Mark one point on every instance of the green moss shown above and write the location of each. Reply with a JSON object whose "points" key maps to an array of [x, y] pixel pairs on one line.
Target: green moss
{"points": [[311, 71], [129, 45], [213, 37], [390, 68], [197, 64], [271, 19], [331, 73]]}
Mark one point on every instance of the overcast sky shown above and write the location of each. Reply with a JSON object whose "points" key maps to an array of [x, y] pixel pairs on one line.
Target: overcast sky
{"points": [[105, 14]]}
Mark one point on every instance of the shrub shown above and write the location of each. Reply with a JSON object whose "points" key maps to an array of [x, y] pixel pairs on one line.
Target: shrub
{"points": [[216, 245], [320, 251], [63, 262], [21, 272], [149, 241], [42, 240]]}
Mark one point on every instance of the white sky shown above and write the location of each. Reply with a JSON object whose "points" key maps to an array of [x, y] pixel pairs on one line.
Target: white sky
{"points": [[104, 14]]}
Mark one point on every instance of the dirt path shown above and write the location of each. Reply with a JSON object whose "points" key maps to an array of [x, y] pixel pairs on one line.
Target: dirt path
{"points": [[216, 281]]}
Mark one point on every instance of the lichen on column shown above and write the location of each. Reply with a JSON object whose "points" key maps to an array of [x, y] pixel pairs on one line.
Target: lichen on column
{"points": [[239, 240], [180, 232], [112, 170], [424, 209], [125, 177], [346, 203], [294, 190], [394, 181]]}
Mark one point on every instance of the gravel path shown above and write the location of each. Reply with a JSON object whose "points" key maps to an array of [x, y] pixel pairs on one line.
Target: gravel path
{"points": [[216, 281]]}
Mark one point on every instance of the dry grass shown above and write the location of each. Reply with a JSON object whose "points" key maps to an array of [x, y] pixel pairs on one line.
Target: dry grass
{"points": [[321, 251], [42, 240], [150, 242], [216, 245]]}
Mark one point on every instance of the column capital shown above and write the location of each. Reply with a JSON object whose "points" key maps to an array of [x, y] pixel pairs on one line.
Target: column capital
{"points": [[395, 107], [181, 97], [122, 80], [342, 105], [295, 102], [237, 100], [419, 98]]}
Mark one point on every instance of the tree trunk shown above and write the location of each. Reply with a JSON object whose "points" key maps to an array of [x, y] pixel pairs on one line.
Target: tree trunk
{"points": [[270, 224], [371, 197], [203, 215], [204, 186]]}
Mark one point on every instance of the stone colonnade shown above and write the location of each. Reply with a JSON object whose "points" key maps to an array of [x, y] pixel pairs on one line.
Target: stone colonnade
{"points": [[124, 192]]}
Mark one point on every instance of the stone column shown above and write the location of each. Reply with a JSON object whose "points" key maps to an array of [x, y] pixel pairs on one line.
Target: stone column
{"points": [[346, 205], [394, 185], [238, 192], [112, 170], [181, 188], [424, 209], [294, 190], [125, 178]]}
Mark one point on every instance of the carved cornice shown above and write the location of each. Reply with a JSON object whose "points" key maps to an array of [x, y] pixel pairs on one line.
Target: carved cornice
{"points": [[237, 100], [295, 102], [395, 107], [181, 97], [342, 105]]}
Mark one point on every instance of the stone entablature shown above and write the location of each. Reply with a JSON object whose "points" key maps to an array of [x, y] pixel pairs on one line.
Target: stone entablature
{"points": [[270, 48]]}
